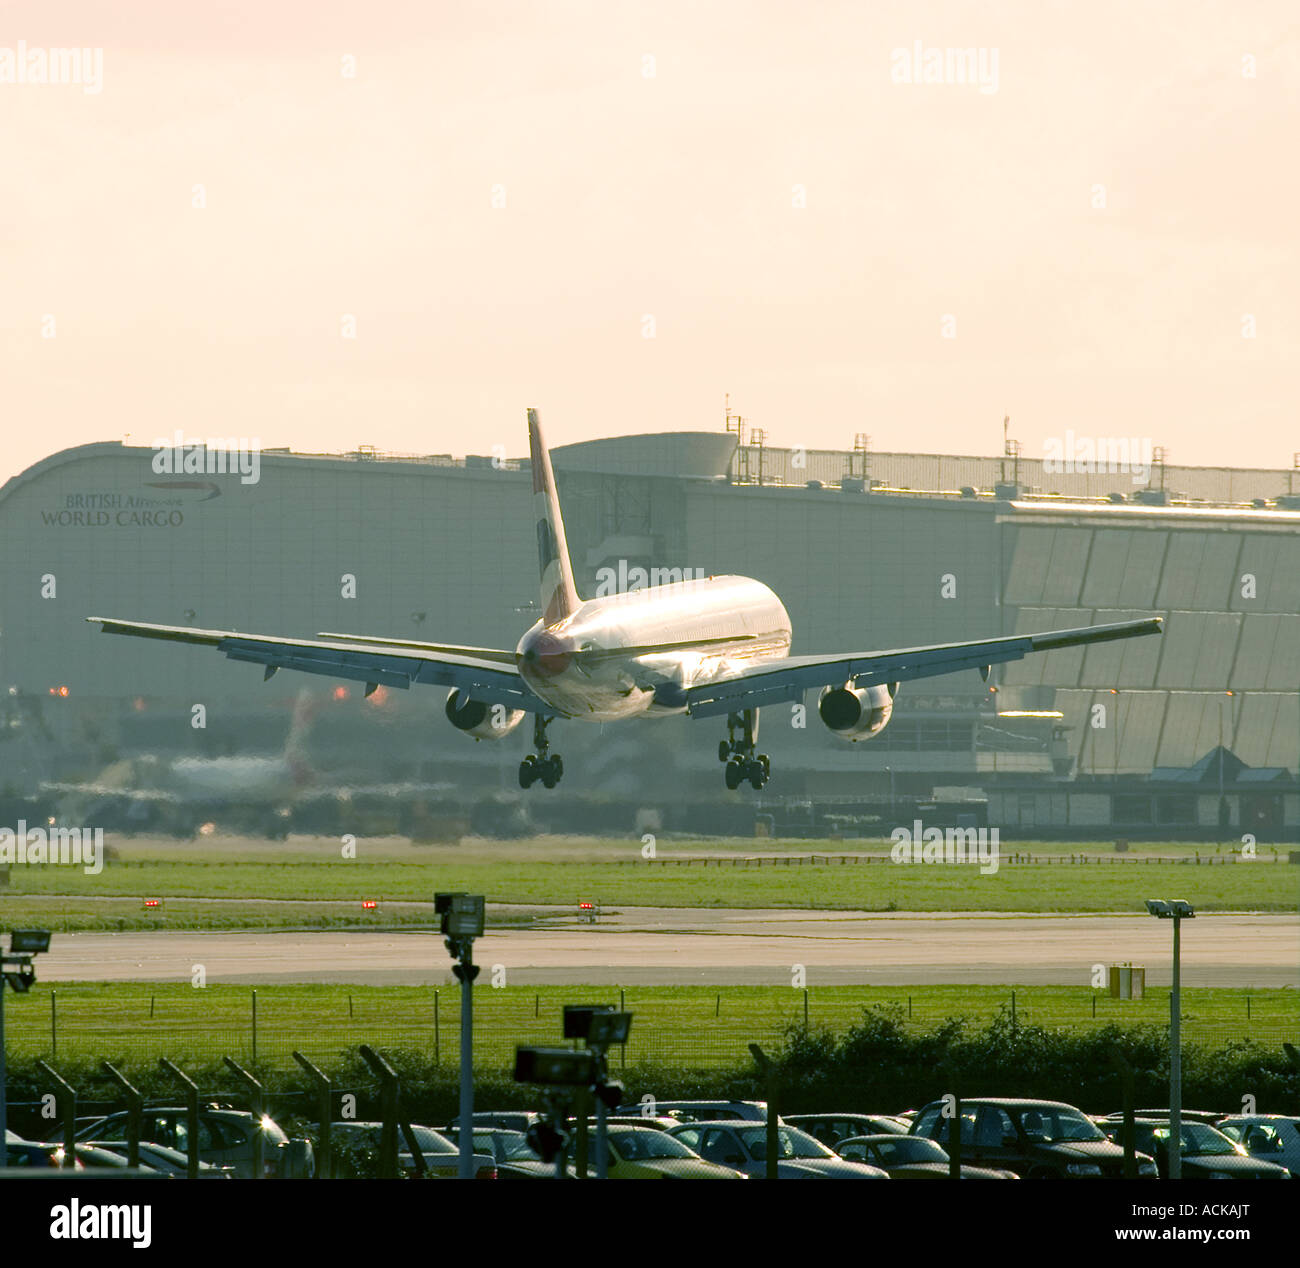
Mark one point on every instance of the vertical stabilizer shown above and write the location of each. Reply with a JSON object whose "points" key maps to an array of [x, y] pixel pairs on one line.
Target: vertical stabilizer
{"points": [[559, 596]]}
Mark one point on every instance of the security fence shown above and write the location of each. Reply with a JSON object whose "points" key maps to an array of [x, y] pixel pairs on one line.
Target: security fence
{"points": [[681, 1027]]}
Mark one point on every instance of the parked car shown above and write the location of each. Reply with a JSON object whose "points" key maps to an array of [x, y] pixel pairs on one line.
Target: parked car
{"points": [[32, 1153], [661, 1122], [511, 1120], [225, 1138], [515, 1157], [701, 1111], [354, 1151], [645, 1153], [1208, 1117], [1272, 1137], [1035, 1139], [830, 1129], [744, 1146], [1207, 1154], [912, 1158], [170, 1162]]}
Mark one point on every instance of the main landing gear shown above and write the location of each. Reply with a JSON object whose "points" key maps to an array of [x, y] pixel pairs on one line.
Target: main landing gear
{"points": [[539, 765], [742, 762]]}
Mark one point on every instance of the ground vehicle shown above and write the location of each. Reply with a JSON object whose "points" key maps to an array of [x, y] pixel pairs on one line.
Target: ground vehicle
{"points": [[1207, 1154], [912, 1158], [1035, 1139], [514, 1157], [170, 1162], [1208, 1117], [830, 1129], [1272, 1137], [700, 1111], [744, 1146], [645, 1153], [354, 1151], [32, 1153], [511, 1120], [225, 1138]]}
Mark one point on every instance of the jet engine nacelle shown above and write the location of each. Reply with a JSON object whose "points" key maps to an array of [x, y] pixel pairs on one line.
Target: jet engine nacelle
{"points": [[482, 721], [857, 713]]}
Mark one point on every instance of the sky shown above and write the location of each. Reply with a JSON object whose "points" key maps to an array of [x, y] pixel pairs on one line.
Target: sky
{"points": [[325, 225]]}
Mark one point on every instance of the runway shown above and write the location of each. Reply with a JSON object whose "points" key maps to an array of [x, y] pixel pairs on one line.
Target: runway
{"points": [[668, 946]]}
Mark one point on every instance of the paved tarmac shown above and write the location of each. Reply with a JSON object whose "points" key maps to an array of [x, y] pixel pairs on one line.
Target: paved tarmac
{"points": [[666, 946]]}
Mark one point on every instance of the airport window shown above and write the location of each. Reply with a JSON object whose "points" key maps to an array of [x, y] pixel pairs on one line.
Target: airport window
{"points": [[1176, 808], [1130, 808]]}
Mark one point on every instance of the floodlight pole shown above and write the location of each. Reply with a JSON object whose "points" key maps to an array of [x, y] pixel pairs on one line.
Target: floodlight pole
{"points": [[462, 950], [1176, 1061], [602, 1130]]}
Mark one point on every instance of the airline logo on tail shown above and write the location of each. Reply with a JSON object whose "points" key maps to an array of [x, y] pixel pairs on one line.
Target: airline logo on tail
{"points": [[558, 594]]}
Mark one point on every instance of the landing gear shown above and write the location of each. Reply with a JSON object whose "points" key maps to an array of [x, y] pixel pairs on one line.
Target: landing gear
{"points": [[540, 765], [743, 763]]}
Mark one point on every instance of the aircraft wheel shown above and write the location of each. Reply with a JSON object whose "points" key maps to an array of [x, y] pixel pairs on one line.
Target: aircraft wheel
{"points": [[757, 776], [549, 775], [527, 771], [724, 750], [767, 765], [734, 774], [558, 763]]}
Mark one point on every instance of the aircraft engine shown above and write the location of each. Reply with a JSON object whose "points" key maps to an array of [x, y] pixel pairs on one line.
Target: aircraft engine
{"points": [[482, 721], [857, 713]]}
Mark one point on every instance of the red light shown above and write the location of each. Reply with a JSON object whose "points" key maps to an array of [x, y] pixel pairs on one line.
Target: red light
{"points": [[152, 902], [340, 693], [368, 904]]}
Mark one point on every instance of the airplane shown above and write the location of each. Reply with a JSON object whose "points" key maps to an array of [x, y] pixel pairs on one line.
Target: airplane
{"points": [[700, 647], [150, 787]]}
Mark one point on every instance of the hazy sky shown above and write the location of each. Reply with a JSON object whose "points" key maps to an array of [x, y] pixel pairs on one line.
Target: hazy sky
{"points": [[651, 159]]}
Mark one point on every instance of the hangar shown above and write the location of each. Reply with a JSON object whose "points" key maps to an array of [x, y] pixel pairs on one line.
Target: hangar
{"points": [[867, 550]]}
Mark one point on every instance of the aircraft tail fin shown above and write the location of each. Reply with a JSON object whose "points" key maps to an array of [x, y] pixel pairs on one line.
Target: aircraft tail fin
{"points": [[559, 596]]}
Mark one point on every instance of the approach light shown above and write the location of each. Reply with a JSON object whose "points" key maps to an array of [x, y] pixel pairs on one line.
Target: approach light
{"points": [[462, 914], [29, 941], [555, 1067]]}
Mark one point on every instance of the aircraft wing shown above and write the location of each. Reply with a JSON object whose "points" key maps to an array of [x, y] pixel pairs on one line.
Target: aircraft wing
{"points": [[493, 681], [770, 682]]}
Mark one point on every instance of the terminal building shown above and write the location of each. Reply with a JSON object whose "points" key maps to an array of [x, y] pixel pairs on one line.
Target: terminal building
{"points": [[1194, 734]]}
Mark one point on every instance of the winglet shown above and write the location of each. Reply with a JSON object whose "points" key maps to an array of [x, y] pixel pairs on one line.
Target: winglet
{"points": [[558, 594]]}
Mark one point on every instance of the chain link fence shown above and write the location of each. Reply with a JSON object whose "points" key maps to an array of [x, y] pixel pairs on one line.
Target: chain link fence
{"points": [[684, 1028]]}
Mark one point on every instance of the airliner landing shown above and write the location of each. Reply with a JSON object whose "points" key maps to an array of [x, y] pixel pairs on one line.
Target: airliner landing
{"points": [[700, 647]]}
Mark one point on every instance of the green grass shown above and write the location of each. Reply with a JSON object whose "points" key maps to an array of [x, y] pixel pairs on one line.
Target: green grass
{"points": [[695, 1026], [554, 871]]}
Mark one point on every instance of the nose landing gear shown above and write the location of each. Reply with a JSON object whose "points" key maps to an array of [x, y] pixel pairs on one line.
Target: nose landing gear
{"points": [[743, 763], [541, 765]]}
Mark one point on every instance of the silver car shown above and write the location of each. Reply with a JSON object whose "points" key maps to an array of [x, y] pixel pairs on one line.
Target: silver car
{"points": [[1268, 1137], [744, 1146]]}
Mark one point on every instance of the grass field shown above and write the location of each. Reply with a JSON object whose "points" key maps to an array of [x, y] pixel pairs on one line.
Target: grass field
{"points": [[684, 1026], [320, 888]]}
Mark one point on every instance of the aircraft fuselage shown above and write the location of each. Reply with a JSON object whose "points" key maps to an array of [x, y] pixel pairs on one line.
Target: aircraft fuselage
{"points": [[637, 652]]}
